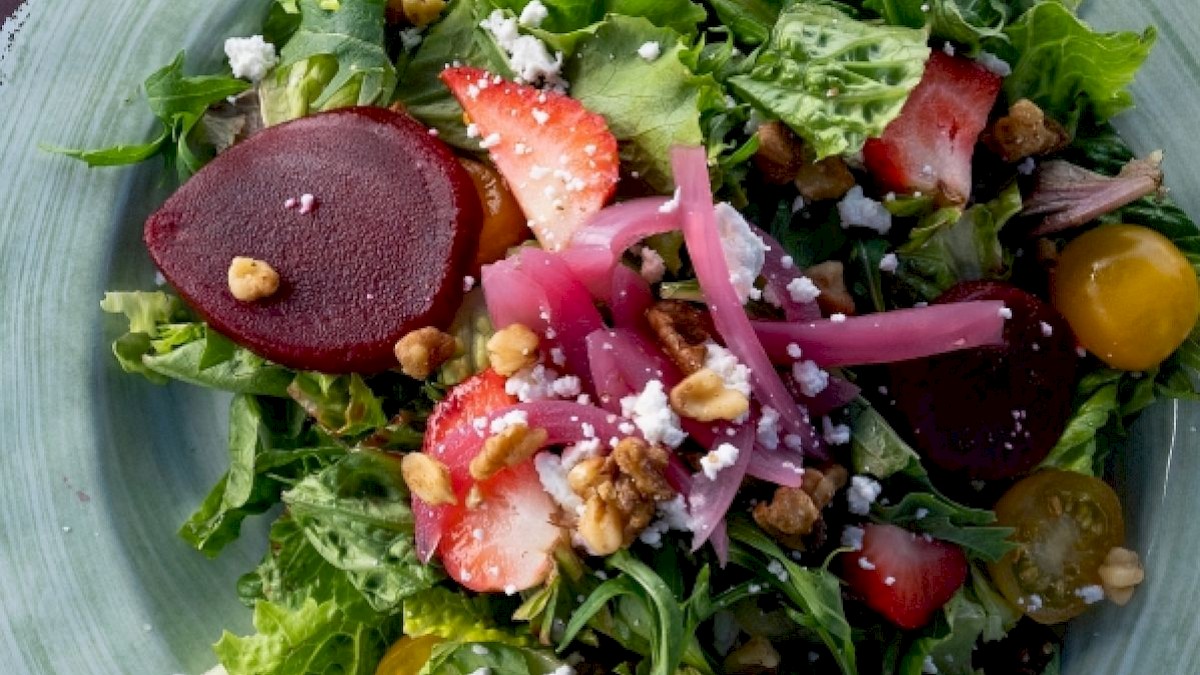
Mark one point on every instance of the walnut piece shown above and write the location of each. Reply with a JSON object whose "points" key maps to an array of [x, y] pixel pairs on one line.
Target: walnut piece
{"points": [[620, 493], [1120, 574], [793, 513], [835, 298], [428, 479], [1024, 132], [422, 351], [510, 447], [251, 279], [704, 397], [513, 348], [828, 178], [682, 331], [780, 153], [416, 12]]}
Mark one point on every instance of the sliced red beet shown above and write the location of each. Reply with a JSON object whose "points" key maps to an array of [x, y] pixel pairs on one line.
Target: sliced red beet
{"points": [[392, 228], [992, 412]]}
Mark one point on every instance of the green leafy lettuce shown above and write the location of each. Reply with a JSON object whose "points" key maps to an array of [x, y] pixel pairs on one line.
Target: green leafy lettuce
{"points": [[566, 16], [974, 613], [343, 405], [334, 58], [454, 615], [467, 658], [750, 21], [835, 80], [966, 22]]}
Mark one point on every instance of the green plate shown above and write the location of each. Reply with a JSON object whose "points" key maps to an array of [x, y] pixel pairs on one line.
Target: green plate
{"points": [[100, 469]]}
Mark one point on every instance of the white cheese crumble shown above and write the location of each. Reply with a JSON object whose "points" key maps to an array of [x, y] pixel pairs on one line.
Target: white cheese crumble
{"points": [[863, 492], [672, 515], [1047, 329], [865, 563], [889, 263], [528, 56], [745, 252], [835, 434], [775, 567], [767, 431], [540, 116], [539, 383], [1033, 603], [722, 362], [1004, 312], [858, 210], [653, 268], [1090, 594], [651, 412], [852, 537], [479, 650], [928, 667], [1027, 166], [250, 58], [810, 377], [803, 290], [649, 50], [671, 205], [994, 63], [534, 14], [837, 317], [481, 671], [948, 48], [509, 419], [722, 457], [794, 351], [410, 38]]}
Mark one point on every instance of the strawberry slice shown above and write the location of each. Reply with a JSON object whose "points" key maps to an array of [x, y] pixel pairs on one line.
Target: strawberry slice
{"points": [[904, 576], [559, 160], [928, 147], [505, 542]]}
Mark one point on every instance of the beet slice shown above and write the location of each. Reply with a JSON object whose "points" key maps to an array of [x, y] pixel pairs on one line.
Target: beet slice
{"points": [[392, 229]]}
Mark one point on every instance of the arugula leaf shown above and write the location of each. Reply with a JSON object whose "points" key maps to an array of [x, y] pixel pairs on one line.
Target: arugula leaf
{"points": [[342, 404], [468, 658], [355, 514], [836, 81], [1068, 69], [335, 58], [178, 101], [453, 615], [750, 21], [949, 246], [264, 456], [650, 106]]}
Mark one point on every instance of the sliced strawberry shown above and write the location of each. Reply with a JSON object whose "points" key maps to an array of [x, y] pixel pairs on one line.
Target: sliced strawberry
{"points": [[505, 542], [559, 160], [904, 576], [928, 147]]}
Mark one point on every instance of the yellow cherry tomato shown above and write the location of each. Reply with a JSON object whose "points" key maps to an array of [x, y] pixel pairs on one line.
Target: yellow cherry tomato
{"points": [[1129, 294], [407, 656], [504, 224]]}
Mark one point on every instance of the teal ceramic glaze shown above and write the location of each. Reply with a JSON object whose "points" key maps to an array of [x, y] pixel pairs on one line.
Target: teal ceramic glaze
{"points": [[99, 469]]}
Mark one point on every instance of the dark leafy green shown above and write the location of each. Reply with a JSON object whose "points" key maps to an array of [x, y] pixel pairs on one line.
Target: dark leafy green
{"points": [[342, 404], [750, 21]]}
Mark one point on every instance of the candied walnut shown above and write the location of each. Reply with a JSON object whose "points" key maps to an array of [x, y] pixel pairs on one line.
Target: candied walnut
{"points": [[509, 447], [793, 513], [415, 12], [780, 153], [830, 278], [423, 351], [1120, 574], [703, 396], [620, 493], [513, 348], [428, 479], [251, 279], [1024, 132], [828, 178], [682, 331], [756, 657]]}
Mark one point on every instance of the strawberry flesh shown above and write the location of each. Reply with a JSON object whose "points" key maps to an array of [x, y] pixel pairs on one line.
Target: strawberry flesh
{"points": [[559, 160], [928, 148], [904, 576]]}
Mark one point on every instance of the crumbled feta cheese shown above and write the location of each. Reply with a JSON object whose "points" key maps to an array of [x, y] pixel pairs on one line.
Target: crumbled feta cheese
{"points": [[722, 457], [552, 472], [835, 434], [1047, 329], [837, 317], [863, 492], [767, 431], [810, 377], [410, 38], [672, 515], [468, 283], [1090, 594], [528, 56], [540, 116], [669, 206], [852, 537], [1004, 312], [889, 581], [479, 650], [651, 412], [557, 356], [492, 140], [1033, 603], [948, 48], [722, 362], [803, 290], [866, 564], [920, 513], [889, 263], [509, 419], [649, 50], [653, 267], [994, 63], [250, 58], [798, 204], [1027, 166], [775, 567], [567, 386], [855, 209], [534, 14], [927, 666], [473, 132], [745, 252], [307, 203], [793, 350]]}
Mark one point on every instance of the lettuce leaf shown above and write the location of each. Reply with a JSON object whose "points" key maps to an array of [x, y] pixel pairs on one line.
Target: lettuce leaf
{"points": [[468, 658], [749, 21], [335, 58], [836, 81], [649, 105], [453, 615], [178, 101], [1070, 70], [565, 16], [343, 405], [966, 22], [949, 246], [355, 514]]}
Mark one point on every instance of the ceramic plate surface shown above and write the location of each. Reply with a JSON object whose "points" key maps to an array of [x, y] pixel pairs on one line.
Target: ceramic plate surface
{"points": [[99, 468]]}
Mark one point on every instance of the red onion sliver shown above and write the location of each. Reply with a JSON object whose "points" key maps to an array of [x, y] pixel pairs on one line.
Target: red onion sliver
{"points": [[720, 543], [630, 299], [778, 275], [837, 394], [513, 296], [781, 467], [709, 499], [704, 246], [886, 337], [597, 247]]}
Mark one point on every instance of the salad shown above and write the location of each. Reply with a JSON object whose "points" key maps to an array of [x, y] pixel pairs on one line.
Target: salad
{"points": [[665, 336]]}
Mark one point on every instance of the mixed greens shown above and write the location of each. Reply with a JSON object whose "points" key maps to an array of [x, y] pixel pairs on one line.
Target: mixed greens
{"points": [[343, 581]]}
